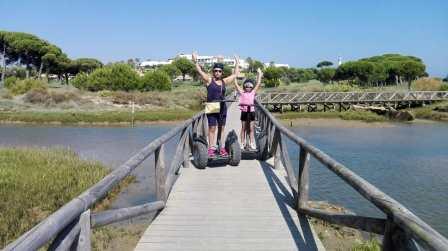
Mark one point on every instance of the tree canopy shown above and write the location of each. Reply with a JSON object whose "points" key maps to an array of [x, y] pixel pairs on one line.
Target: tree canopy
{"points": [[38, 55], [324, 64]]}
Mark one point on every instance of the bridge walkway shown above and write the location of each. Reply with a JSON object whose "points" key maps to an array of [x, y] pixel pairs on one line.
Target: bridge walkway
{"points": [[248, 207]]}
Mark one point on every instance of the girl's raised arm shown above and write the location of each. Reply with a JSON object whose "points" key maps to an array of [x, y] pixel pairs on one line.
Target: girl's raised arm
{"points": [[259, 76], [235, 82], [236, 72]]}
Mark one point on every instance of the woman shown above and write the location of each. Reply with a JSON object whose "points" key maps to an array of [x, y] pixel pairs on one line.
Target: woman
{"points": [[247, 100], [215, 91]]}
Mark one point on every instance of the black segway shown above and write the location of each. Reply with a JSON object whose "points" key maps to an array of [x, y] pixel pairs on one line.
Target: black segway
{"points": [[260, 140], [232, 146], [247, 152]]}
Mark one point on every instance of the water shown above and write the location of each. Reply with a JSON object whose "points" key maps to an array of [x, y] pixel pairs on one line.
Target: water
{"points": [[408, 162], [110, 145]]}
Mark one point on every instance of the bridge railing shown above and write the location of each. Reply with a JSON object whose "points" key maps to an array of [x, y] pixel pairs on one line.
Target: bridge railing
{"points": [[402, 230], [350, 97], [70, 226]]}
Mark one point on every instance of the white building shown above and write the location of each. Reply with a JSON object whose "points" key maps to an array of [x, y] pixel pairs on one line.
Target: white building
{"points": [[276, 65], [152, 63], [210, 60]]}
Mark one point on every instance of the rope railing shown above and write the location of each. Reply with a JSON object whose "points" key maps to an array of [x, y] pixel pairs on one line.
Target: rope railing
{"points": [[402, 230]]}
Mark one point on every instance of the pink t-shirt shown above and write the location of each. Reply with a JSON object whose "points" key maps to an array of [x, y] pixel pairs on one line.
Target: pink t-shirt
{"points": [[247, 98]]}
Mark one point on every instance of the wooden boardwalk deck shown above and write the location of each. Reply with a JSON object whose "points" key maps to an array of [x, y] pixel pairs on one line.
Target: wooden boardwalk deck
{"points": [[248, 207]]}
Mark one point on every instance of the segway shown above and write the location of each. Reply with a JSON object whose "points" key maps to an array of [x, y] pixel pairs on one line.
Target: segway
{"points": [[232, 146], [260, 140]]}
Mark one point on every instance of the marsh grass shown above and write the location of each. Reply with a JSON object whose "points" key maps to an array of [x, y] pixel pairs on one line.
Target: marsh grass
{"points": [[432, 112], [348, 115], [68, 117], [370, 245], [35, 182]]}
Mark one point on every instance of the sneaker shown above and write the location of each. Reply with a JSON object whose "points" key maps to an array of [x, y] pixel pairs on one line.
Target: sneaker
{"points": [[223, 152], [211, 152], [253, 146]]}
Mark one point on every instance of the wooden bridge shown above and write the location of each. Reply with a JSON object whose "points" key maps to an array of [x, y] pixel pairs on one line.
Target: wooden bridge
{"points": [[344, 100], [258, 205]]}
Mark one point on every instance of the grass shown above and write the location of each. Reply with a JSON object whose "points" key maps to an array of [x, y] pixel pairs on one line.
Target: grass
{"points": [[428, 112], [370, 245], [348, 115], [34, 182], [68, 117]]}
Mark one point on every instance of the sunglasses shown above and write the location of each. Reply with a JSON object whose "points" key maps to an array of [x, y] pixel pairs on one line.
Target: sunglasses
{"points": [[217, 71]]}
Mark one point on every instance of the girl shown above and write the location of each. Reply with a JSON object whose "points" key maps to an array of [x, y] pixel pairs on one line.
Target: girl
{"points": [[247, 98]]}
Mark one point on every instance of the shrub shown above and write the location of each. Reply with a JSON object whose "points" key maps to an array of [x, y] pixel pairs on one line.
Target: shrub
{"points": [[122, 97], [444, 87], [269, 83], [23, 86], [272, 76], [112, 77], [81, 81], [60, 97], [37, 96], [171, 70], [427, 84], [123, 78], [9, 82], [340, 88], [43, 96], [155, 80]]}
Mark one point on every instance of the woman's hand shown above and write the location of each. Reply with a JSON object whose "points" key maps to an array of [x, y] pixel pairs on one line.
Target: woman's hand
{"points": [[194, 57], [259, 72]]}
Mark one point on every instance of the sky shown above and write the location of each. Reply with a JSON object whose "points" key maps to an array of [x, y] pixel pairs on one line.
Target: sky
{"points": [[299, 33]]}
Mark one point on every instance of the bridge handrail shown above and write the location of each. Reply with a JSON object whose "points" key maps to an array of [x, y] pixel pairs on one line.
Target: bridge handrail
{"points": [[316, 97], [399, 218], [66, 223]]}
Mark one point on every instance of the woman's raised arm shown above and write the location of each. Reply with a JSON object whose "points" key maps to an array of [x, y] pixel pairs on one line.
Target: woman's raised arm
{"points": [[204, 76]]}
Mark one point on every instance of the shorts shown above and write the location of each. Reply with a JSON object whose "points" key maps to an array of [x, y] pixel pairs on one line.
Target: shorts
{"points": [[213, 119], [244, 116]]}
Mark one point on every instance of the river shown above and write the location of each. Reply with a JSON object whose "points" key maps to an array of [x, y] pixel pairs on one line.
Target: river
{"points": [[407, 161]]}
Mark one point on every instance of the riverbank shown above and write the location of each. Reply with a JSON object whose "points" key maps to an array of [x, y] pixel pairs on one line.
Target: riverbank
{"points": [[364, 116], [35, 182], [336, 237], [118, 117]]}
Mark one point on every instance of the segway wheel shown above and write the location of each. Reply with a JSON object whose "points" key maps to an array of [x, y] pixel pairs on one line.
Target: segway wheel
{"points": [[200, 154], [235, 153], [262, 147]]}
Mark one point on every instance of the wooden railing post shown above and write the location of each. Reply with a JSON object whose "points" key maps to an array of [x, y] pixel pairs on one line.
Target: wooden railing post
{"points": [[303, 184], [160, 173], [84, 243], [276, 141], [395, 239]]}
